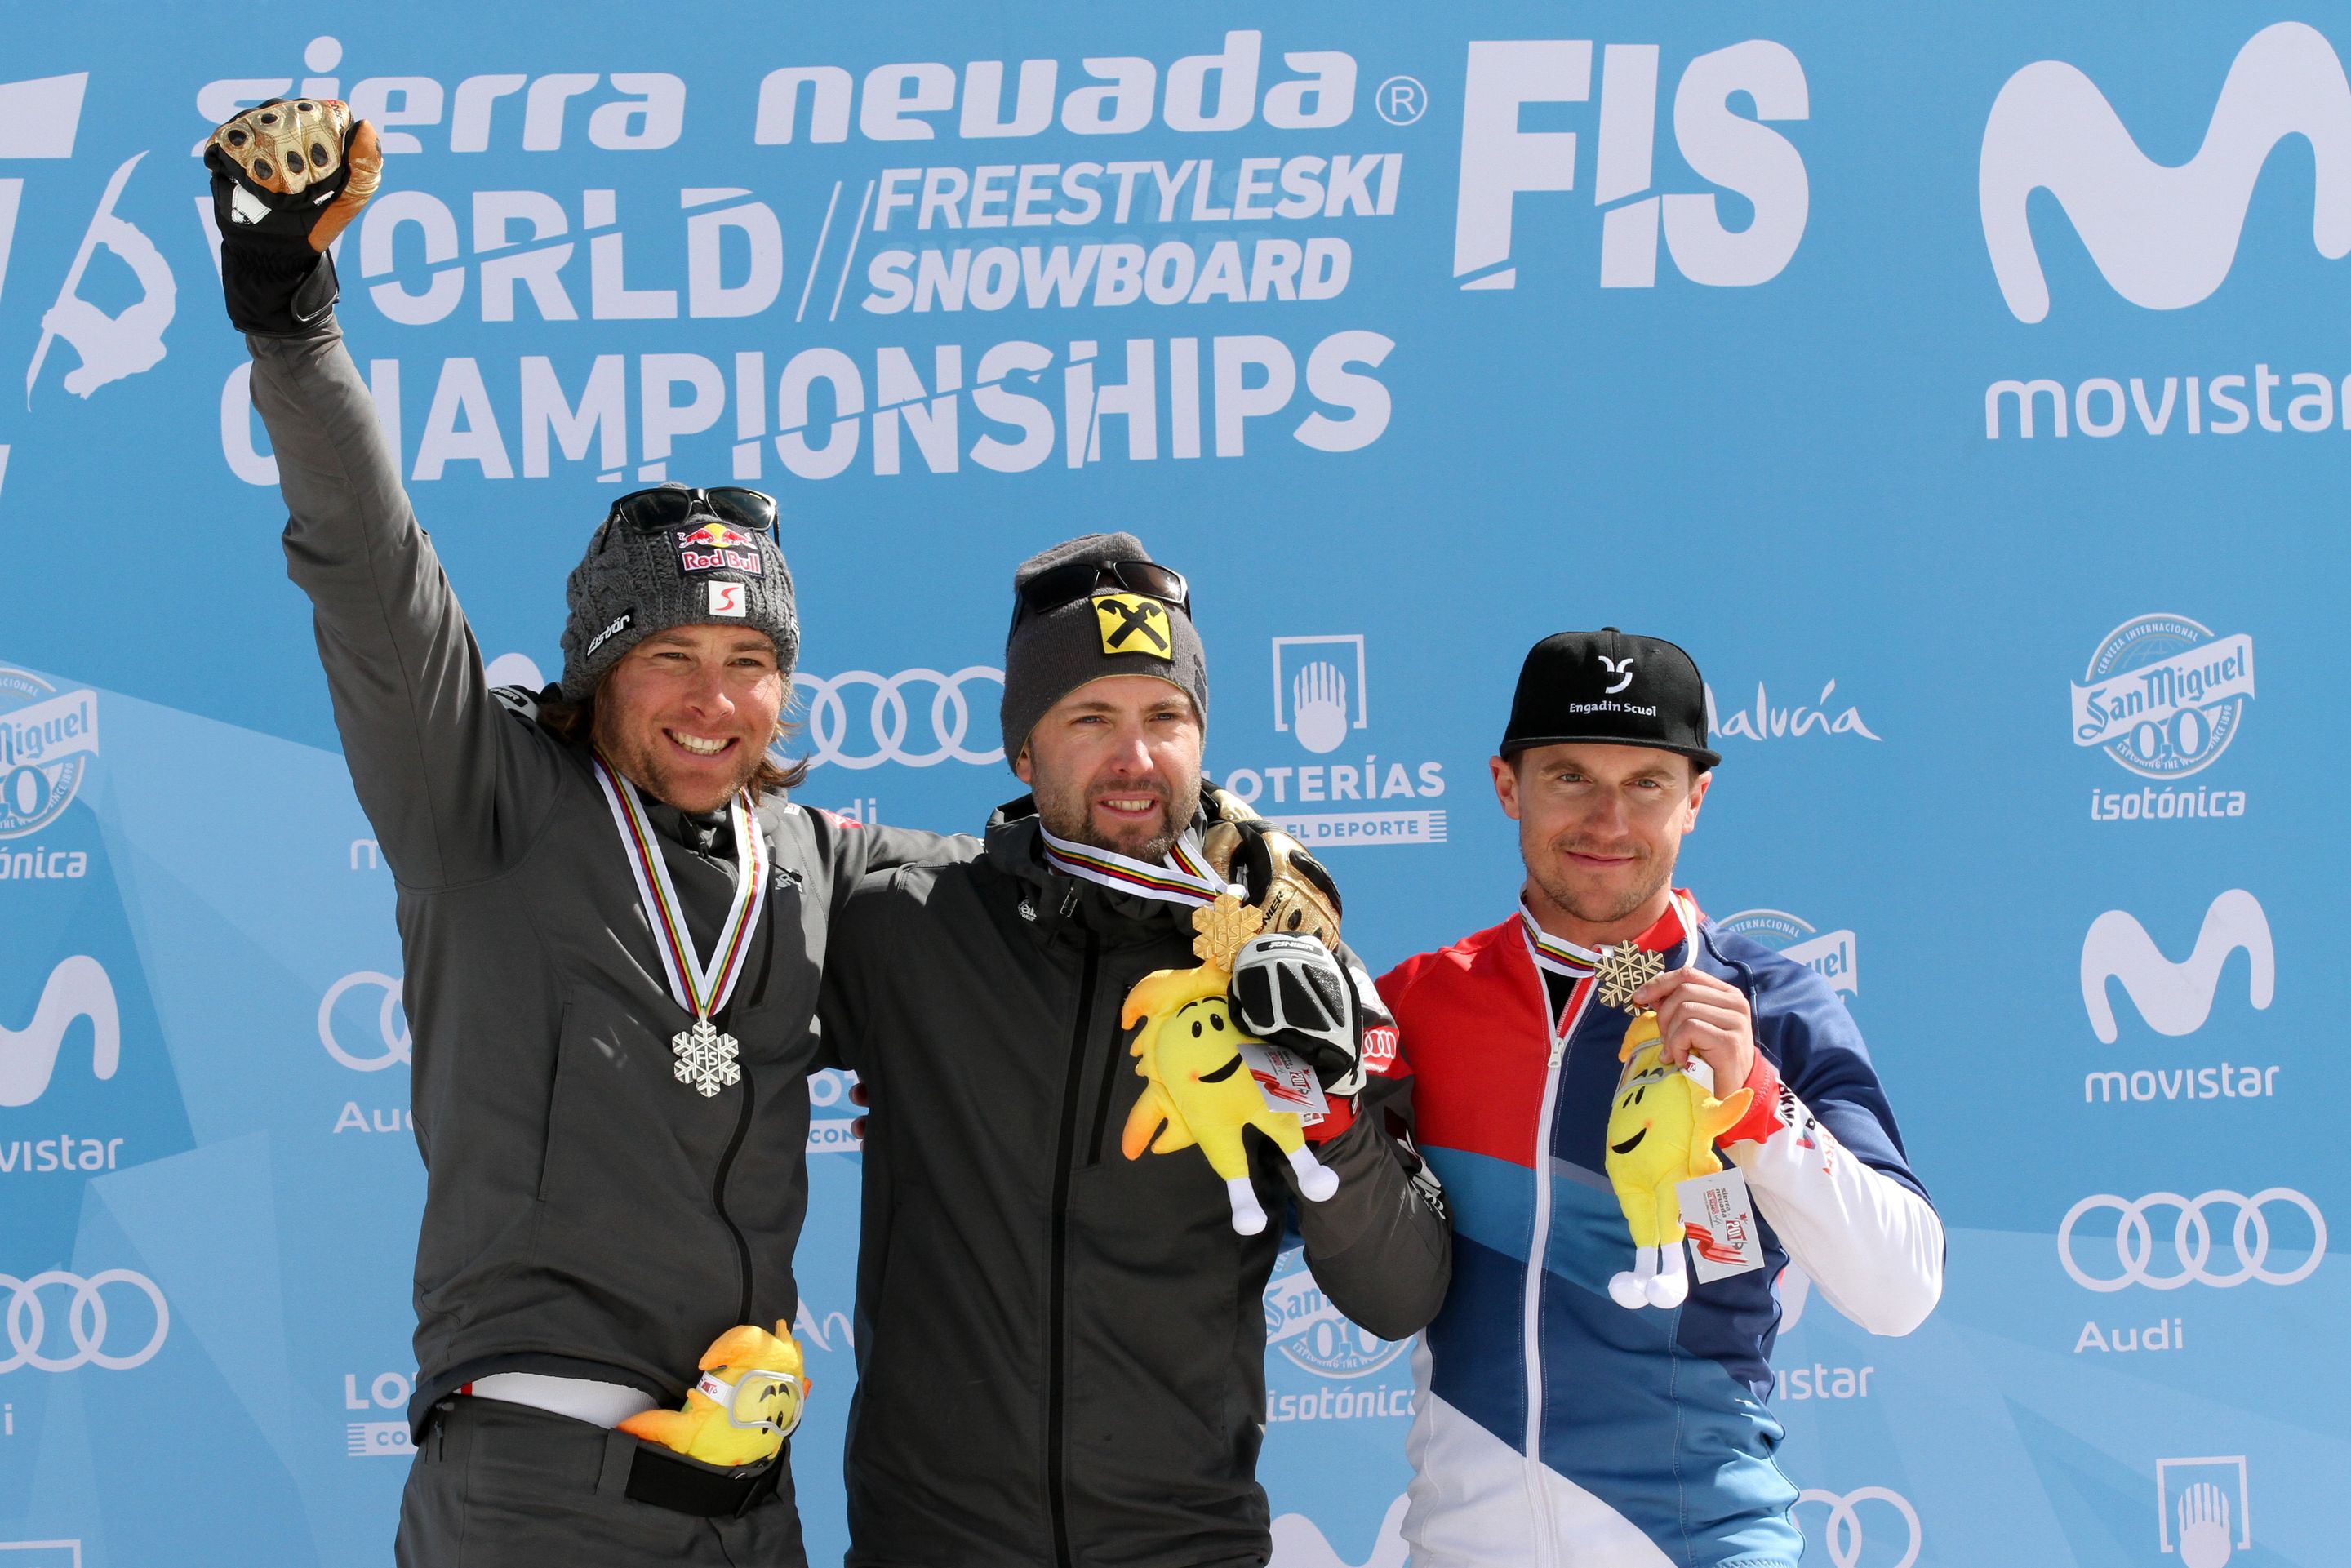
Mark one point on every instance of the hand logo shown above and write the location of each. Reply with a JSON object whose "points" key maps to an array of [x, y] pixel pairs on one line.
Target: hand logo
{"points": [[1317, 707], [2203, 1526]]}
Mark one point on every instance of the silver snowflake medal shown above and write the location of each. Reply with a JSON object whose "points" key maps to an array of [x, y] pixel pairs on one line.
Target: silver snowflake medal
{"points": [[1624, 970], [705, 1058]]}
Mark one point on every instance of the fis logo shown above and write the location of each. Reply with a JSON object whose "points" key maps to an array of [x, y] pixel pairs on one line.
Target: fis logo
{"points": [[1719, 144], [2163, 238], [76, 989], [2174, 998]]}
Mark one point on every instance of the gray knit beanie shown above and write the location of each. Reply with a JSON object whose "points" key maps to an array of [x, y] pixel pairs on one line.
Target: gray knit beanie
{"points": [[1109, 632], [633, 582]]}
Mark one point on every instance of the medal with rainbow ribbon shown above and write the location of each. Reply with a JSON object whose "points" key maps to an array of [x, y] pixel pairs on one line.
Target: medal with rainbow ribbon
{"points": [[706, 1055]]}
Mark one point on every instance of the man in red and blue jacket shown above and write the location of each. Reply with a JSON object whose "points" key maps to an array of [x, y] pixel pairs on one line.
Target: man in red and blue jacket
{"points": [[1556, 1427]]}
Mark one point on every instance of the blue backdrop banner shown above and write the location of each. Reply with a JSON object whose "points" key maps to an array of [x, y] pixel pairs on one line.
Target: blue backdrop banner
{"points": [[1951, 383]]}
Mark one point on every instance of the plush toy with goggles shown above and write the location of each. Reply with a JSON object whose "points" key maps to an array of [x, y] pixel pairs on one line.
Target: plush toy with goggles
{"points": [[749, 1397]]}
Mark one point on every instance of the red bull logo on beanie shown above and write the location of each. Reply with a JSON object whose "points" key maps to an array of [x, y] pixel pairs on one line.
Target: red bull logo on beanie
{"points": [[715, 546]]}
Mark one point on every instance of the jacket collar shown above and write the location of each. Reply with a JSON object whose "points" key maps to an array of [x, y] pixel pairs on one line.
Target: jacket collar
{"points": [[1056, 902]]}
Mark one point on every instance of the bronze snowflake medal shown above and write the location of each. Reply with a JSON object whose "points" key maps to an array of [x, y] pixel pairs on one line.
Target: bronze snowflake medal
{"points": [[1624, 970]]}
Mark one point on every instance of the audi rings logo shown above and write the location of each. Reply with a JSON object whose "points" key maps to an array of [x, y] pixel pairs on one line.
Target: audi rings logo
{"points": [[85, 1316], [2191, 1259], [899, 723], [391, 1024], [1845, 1539]]}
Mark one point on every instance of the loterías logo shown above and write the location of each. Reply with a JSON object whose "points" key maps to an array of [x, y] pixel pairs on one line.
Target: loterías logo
{"points": [[2163, 238]]}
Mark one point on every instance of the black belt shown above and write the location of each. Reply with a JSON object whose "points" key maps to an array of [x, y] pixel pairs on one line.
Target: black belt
{"points": [[578, 1453]]}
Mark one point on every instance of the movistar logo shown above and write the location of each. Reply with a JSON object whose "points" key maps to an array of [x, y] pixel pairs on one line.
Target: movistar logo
{"points": [[76, 988], [2164, 236], [2175, 999]]}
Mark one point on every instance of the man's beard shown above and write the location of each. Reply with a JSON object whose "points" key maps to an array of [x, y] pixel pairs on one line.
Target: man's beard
{"points": [[1598, 908], [643, 765], [1068, 814]]}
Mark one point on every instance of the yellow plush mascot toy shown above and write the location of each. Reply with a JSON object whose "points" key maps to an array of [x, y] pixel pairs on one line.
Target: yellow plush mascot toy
{"points": [[1199, 1089], [1661, 1131], [748, 1402]]}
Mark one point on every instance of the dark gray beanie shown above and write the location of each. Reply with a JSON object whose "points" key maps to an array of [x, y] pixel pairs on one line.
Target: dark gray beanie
{"points": [[1106, 633], [631, 584]]}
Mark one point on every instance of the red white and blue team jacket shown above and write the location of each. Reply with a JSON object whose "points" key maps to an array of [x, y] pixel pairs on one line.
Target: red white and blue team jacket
{"points": [[1555, 1428]]}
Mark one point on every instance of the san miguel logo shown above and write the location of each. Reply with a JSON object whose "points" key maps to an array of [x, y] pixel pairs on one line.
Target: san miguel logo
{"points": [[2163, 695], [715, 546], [46, 741]]}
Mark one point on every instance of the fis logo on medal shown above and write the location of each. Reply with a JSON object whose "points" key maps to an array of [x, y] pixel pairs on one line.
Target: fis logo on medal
{"points": [[1133, 624]]}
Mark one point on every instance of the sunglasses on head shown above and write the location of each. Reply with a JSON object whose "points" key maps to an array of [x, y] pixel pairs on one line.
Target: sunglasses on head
{"points": [[675, 506], [1057, 586]]}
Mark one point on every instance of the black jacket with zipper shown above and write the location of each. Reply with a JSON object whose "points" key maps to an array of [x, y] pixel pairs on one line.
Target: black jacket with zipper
{"points": [[586, 1214], [1061, 1351]]}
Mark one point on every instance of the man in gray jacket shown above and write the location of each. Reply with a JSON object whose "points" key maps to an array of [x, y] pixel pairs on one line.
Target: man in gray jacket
{"points": [[1060, 1337], [613, 921]]}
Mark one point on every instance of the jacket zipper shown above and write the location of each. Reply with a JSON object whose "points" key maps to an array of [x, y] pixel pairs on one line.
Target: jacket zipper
{"points": [[1056, 1368], [1533, 1328], [718, 1196]]}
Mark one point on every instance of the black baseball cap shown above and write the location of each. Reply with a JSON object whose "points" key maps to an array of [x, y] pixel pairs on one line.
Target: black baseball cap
{"points": [[1609, 688]]}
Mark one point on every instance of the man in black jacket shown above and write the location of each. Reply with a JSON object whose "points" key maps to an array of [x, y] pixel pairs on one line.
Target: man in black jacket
{"points": [[1060, 1345], [612, 921]]}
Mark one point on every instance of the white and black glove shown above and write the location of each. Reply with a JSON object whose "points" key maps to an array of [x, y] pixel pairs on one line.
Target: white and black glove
{"points": [[1293, 992], [287, 177]]}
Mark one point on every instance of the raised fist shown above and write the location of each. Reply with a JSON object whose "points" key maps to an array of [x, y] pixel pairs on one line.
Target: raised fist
{"points": [[288, 177]]}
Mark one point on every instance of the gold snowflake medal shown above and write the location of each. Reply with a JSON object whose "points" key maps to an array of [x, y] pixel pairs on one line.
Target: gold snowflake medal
{"points": [[1224, 926], [1624, 970]]}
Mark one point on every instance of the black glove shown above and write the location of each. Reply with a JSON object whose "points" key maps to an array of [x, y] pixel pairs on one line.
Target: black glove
{"points": [[287, 177], [1293, 992]]}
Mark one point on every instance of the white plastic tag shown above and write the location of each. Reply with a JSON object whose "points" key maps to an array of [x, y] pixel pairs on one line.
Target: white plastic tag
{"points": [[1284, 1080], [1723, 1236]]}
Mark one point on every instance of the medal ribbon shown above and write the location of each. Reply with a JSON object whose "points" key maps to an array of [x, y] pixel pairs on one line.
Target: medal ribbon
{"points": [[1560, 956], [1183, 878], [700, 988]]}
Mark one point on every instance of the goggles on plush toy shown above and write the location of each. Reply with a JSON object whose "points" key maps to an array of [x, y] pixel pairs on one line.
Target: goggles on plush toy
{"points": [[746, 1394]]}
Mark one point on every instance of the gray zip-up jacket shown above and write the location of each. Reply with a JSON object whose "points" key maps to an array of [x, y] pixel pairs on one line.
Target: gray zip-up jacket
{"points": [[1061, 1351], [585, 1213]]}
